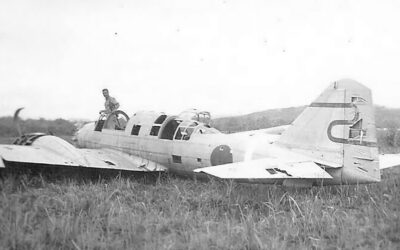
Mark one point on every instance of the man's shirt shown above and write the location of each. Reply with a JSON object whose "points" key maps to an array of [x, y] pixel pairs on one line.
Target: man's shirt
{"points": [[111, 104]]}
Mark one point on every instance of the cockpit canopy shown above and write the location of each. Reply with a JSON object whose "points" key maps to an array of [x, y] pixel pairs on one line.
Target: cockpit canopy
{"points": [[157, 124], [179, 129], [196, 115]]}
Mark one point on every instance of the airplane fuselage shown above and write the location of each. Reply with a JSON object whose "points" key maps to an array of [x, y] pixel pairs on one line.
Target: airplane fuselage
{"points": [[210, 148], [202, 150]]}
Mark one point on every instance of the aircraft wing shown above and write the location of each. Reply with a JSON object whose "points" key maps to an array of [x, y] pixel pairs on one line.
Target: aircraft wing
{"points": [[389, 161], [267, 168], [62, 153]]}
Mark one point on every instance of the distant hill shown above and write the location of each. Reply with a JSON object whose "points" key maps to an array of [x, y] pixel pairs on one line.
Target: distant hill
{"points": [[258, 120], [385, 118]]}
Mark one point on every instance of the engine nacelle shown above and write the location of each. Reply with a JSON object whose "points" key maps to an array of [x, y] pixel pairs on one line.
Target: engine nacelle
{"points": [[61, 148]]}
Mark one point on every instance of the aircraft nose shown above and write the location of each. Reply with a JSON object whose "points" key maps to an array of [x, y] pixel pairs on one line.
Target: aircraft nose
{"points": [[222, 154]]}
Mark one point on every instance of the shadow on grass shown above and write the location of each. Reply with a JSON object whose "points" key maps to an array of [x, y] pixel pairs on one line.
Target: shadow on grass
{"points": [[78, 174]]}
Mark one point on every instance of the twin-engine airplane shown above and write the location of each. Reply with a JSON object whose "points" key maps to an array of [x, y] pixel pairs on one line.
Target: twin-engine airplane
{"points": [[332, 142]]}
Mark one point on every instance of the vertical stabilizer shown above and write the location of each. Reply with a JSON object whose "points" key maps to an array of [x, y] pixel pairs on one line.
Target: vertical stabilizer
{"points": [[339, 127]]}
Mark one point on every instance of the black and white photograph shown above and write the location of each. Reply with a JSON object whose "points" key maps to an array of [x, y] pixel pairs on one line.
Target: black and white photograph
{"points": [[213, 124]]}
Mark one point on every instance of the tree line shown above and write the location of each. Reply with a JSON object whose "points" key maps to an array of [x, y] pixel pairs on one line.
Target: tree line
{"points": [[56, 127]]}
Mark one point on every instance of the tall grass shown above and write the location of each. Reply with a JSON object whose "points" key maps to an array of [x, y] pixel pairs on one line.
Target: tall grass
{"points": [[173, 213]]}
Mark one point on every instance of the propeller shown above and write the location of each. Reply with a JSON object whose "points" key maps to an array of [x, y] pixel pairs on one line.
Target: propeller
{"points": [[16, 121]]}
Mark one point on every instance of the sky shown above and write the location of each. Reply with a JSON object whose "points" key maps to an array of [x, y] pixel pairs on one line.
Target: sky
{"points": [[225, 56]]}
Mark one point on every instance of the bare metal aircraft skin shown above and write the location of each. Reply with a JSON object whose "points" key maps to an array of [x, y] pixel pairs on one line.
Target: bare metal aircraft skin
{"points": [[332, 142]]}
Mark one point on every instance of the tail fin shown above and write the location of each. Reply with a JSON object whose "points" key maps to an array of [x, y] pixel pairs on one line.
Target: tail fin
{"points": [[339, 128]]}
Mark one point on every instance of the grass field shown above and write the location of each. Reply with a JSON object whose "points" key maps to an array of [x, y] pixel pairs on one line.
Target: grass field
{"points": [[50, 212], [174, 213]]}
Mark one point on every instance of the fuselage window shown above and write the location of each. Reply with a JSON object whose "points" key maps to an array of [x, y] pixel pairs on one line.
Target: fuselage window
{"points": [[185, 130], [135, 130], [154, 130], [157, 125], [99, 125], [188, 133], [160, 119], [179, 133], [176, 159]]}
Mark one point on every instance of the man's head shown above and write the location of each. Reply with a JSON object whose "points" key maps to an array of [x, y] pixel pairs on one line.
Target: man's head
{"points": [[105, 93]]}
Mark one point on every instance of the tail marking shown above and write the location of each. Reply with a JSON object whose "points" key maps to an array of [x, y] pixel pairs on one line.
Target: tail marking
{"points": [[355, 122]]}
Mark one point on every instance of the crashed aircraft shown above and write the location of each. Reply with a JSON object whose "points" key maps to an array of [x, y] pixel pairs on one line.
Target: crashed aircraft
{"points": [[332, 142]]}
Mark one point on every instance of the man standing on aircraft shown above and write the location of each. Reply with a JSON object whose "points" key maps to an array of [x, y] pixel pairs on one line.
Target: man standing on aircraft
{"points": [[111, 103]]}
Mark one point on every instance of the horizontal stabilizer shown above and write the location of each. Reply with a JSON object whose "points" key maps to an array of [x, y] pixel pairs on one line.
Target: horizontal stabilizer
{"points": [[389, 161], [61, 153], [267, 168]]}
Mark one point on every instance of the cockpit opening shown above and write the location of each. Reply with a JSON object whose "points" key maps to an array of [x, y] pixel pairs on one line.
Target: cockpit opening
{"points": [[117, 120], [170, 128]]}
